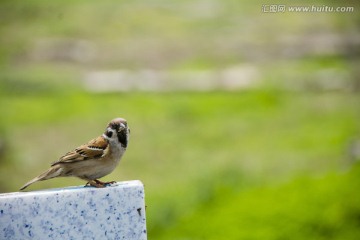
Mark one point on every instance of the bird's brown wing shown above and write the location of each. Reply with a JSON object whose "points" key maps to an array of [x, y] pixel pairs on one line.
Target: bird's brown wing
{"points": [[92, 150]]}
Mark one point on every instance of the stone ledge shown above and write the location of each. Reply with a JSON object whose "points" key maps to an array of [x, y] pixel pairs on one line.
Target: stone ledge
{"points": [[114, 212]]}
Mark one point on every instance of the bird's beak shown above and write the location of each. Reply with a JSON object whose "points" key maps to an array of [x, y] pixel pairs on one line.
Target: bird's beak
{"points": [[122, 126]]}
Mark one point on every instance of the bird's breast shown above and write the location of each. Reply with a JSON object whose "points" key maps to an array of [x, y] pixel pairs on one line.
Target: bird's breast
{"points": [[116, 151]]}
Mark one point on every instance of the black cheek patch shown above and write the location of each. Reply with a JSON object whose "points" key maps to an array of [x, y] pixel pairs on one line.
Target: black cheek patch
{"points": [[122, 138], [109, 134]]}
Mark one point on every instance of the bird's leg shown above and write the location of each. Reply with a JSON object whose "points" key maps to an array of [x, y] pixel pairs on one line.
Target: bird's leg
{"points": [[95, 183], [98, 184]]}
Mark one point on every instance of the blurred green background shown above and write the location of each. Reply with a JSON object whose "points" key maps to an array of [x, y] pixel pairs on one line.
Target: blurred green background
{"points": [[245, 124]]}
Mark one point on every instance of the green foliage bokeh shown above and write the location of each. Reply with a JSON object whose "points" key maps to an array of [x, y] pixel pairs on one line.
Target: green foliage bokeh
{"points": [[274, 160]]}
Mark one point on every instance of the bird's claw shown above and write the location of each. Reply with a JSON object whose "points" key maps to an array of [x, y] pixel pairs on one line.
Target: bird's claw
{"points": [[98, 184], [110, 183]]}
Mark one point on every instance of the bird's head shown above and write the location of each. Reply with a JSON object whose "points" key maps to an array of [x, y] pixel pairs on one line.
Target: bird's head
{"points": [[118, 130]]}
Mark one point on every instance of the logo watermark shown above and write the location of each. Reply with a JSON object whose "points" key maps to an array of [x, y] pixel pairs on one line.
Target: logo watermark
{"points": [[281, 8]]}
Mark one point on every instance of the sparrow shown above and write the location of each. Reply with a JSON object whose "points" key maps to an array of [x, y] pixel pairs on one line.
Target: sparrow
{"points": [[92, 160]]}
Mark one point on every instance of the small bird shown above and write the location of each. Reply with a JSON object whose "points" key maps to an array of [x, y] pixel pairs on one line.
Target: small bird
{"points": [[93, 160]]}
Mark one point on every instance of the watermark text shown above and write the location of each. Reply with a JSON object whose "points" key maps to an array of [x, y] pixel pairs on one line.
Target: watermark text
{"points": [[281, 8]]}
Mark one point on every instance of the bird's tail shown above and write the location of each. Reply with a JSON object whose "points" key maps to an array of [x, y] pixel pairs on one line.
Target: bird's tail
{"points": [[54, 171]]}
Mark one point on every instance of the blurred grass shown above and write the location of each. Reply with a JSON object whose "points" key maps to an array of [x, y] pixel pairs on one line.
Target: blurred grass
{"points": [[187, 146], [325, 207]]}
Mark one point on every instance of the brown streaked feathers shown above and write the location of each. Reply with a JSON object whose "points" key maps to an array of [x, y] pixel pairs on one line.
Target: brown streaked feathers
{"points": [[94, 149]]}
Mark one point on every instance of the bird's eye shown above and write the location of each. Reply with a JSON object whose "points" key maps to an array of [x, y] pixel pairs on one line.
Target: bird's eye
{"points": [[109, 134]]}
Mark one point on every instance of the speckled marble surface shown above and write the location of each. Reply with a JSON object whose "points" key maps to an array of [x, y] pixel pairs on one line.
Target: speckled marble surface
{"points": [[114, 212]]}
